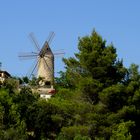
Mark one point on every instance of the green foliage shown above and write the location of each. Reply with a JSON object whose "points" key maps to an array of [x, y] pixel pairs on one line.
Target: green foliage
{"points": [[62, 81], [113, 97], [25, 79], [79, 137], [33, 82], [94, 67], [90, 88], [12, 133], [65, 93], [97, 77], [97, 99], [74, 132], [95, 59], [122, 131], [11, 84]]}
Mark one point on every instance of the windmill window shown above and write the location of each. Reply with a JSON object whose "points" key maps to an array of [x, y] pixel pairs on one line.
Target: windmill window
{"points": [[48, 84]]}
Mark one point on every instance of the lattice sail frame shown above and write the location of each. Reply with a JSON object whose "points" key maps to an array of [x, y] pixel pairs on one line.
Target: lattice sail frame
{"points": [[44, 59]]}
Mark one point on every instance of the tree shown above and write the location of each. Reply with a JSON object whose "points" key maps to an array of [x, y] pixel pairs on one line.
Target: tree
{"points": [[25, 80], [122, 131], [12, 84], [97, 98], [62, 81], [113, 97], [25, 99], [94, 67], [95, 59]]}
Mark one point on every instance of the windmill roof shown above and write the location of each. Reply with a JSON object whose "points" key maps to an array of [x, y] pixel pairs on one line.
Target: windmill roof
{"points": [[46, 49], [1, 71]]}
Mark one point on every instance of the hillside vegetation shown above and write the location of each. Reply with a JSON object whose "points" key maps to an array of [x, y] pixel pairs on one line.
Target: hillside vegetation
{"points": [[97, 99]]}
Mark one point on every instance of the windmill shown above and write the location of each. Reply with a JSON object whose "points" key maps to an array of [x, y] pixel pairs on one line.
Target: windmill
{"points": [[44, 60]]}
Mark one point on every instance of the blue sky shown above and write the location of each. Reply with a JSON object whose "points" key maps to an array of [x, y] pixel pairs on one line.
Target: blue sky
{"points": [[116, 21]]}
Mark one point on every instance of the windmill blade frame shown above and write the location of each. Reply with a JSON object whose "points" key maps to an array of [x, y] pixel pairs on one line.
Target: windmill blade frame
{"points": [[29, 55], [50, 37], [34, 40], [26, 56], [60, 53], [33, 68]]}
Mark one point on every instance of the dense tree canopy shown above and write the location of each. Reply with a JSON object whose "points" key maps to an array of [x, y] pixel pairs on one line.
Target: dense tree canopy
{"points": [[97, 99]]}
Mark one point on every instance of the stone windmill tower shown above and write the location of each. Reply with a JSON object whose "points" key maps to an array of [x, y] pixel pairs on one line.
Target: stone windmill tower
{"points": [[44, 60], [45, 66]]}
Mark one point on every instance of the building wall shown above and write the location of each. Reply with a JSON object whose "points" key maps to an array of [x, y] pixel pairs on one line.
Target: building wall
{"points": [[46, 68], [3, 76]]}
